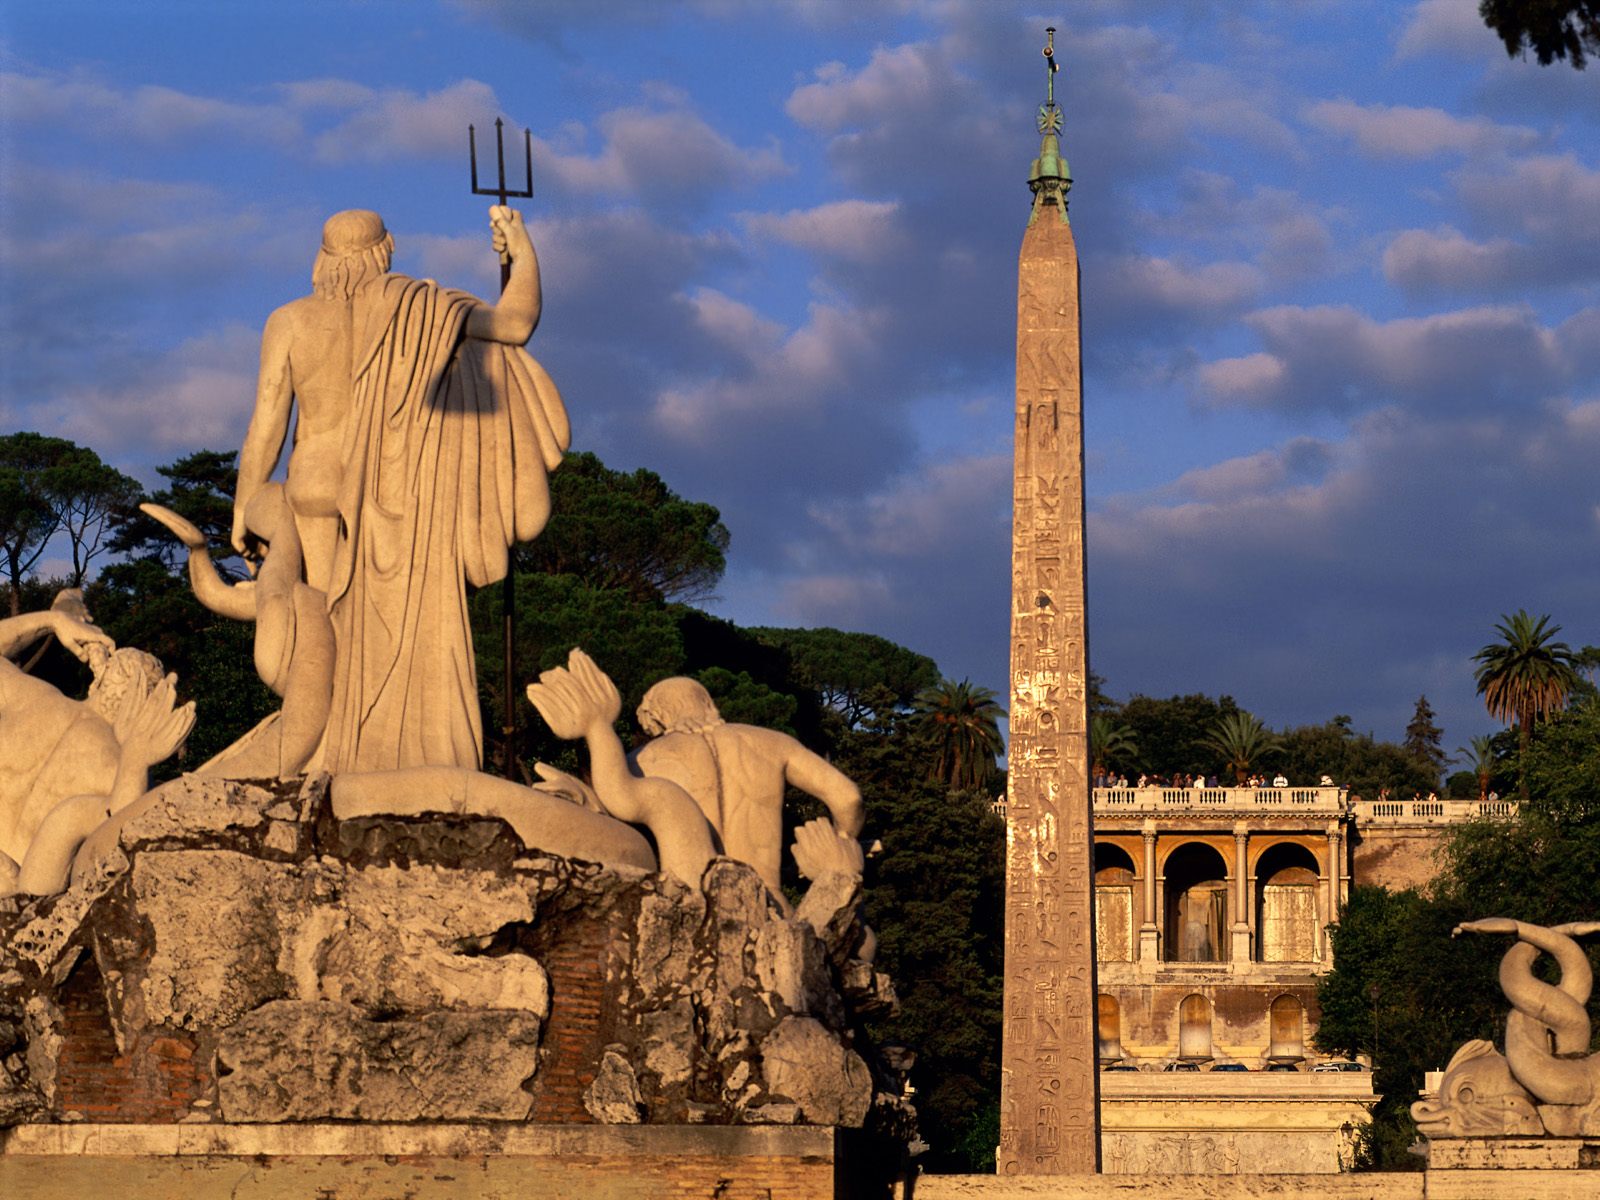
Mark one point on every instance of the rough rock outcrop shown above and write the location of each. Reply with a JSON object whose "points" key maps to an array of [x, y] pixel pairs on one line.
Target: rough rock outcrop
{"points": [[234, 952]]}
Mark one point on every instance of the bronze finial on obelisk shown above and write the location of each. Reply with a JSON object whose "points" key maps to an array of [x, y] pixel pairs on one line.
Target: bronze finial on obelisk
{"points": [[1049, 1089]]}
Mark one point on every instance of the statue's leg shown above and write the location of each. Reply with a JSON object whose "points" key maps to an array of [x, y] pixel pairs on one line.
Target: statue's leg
{"points": [[315, 471]]}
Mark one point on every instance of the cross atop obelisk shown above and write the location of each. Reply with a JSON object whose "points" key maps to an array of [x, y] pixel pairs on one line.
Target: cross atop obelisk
{"points": [[1049, 1089]]}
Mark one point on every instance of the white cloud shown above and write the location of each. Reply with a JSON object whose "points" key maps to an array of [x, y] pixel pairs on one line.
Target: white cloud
{"points": [[1399, 131], [809, 369], [903, 78], [387, 124], [653, 153], [1339, 359], [1147, 287], [913, 515], [1249, 379], [734, 325], [857, 230], [1446, 27], [1548, 201], [147, 113], [199, 394], [1447, 260]]}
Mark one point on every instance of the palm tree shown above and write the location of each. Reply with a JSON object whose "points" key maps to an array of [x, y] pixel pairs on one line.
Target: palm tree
{"points": [[1110, 742], [1525, 676], [960, 723], [1480, 760], [1241, 739]]}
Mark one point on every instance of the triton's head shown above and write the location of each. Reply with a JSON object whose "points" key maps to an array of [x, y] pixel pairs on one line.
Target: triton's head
{"points": [[355, 247], [678, 705], [124, 671]]}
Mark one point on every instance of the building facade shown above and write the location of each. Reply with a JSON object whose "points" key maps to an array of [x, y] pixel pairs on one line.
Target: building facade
{"points": [[1212, 908]]}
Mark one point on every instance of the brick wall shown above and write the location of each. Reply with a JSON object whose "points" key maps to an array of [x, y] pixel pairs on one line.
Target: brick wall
{"points": [[573, 1037], [154, 1080]]}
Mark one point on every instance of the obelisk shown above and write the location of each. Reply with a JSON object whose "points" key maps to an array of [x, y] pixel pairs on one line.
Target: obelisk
{"points": [[1049, 1090]]}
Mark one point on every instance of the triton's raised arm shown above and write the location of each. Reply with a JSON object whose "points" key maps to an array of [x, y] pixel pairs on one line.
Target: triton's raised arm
{"points": [[512, 320]]}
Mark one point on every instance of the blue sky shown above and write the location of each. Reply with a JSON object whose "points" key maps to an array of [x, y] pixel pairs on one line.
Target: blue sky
{"points": [[1341, 292]]}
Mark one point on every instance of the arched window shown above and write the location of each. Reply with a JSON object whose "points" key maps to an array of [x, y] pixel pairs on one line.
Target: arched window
{"points": [[1197, 904], [1194, 1027], [1113, 904], [1108, 1014], [1287, 921], [1288, 1029]]}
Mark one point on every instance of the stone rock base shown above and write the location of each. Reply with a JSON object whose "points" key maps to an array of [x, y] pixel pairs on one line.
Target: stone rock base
{"points": [[424, 1162]]}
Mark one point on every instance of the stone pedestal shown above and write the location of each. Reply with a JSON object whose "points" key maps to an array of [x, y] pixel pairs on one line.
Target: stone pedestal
{"points": [[424, 1161], [1531, 1168]]}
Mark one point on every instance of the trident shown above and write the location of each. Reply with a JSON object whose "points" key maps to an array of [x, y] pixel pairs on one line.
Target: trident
{"points": [[508, 594]]}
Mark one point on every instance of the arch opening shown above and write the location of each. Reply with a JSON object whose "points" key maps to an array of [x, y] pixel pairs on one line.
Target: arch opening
{"points": [[1113, 904], [1287, 1022], [1108, 1027], [1288, 916], [1196, 904], [1194, 1028]]}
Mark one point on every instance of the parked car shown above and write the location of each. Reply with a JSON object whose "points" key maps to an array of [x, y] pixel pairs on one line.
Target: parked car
{"points": [[1121, 1067], [1230, 1067], [1181, 1066], [1283, 1066], [1338, 1064]]}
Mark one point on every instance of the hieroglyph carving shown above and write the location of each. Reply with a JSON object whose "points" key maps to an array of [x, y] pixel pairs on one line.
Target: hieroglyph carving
{"points": [[1049, 1086]]}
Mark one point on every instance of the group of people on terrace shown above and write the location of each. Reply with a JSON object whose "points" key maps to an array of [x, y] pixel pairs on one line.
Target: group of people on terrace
{"points": [[1105, 779]]}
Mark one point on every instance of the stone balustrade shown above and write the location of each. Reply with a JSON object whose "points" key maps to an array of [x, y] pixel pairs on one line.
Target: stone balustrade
{"points": [[1310, 801], [1431, 812]]}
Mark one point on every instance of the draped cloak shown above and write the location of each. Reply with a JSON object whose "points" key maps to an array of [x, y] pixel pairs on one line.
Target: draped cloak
{"points": [[446, 458]]}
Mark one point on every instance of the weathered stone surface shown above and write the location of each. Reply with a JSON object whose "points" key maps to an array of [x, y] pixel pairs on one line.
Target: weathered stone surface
{"points": [[219, 944], [806, 1065], [214, 920], [298, 1061], [613, 1097]]}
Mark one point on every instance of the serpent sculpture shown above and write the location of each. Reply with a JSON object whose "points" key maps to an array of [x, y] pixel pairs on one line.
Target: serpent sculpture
{"points": [[1546, 1081]]}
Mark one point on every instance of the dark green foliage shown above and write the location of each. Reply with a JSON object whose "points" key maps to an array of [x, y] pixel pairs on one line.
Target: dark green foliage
{"points": [[1432, 993], [1353, 760], [1423, 740], [741, 699], [1242, 741], [627, 532], [842, 667], [958, 725], [1172, 734], [710, 641], [50, 486], [635, 642], [200, 489], [1435, 992], [1552, 29], [934, 897]]}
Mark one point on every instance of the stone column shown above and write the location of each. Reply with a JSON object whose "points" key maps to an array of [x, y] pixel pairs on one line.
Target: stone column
{"points": [[1149, 929], [1049, 1085], [1335, 872], [1241, 871]]}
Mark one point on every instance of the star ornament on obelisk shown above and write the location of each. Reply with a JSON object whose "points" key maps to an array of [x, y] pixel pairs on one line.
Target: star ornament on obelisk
{"points": [[1049, 1088]]}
